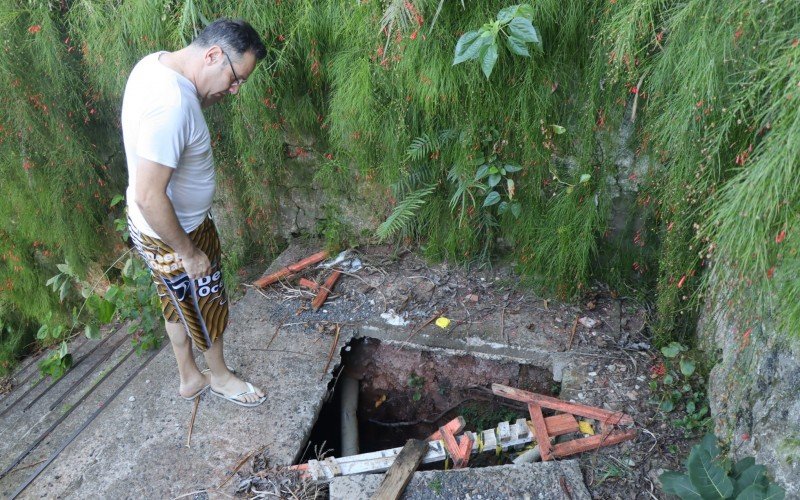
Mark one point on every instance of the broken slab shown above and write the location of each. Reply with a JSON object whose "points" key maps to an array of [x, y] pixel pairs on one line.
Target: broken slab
{"points": [[561, 479]]}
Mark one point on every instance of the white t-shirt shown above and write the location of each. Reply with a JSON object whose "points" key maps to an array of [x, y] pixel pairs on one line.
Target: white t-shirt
{"points": [[162, 121]]}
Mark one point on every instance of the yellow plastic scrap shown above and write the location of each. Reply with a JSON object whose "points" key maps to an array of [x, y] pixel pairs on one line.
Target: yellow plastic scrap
{"points": [[442, 322], [586, 427]]}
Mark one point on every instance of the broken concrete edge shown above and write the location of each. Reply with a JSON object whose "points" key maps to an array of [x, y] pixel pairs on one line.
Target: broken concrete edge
{"points": [[558, 479], [555, 361]]}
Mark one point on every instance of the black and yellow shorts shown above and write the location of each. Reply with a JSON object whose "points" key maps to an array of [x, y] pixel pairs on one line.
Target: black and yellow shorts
{"points": [[201, 305]]}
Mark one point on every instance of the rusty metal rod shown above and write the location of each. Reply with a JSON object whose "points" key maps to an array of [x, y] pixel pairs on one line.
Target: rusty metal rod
{"points": [[80, 429], [31, 388], [38, 357], [90, 371], [63, 417]]}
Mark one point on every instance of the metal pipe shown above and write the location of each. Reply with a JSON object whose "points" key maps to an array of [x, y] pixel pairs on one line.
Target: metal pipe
{"points": [[349, 416]]}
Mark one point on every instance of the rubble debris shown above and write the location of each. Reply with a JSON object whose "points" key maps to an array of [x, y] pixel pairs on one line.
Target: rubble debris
{"points": [[394, 319], [511, 436]]}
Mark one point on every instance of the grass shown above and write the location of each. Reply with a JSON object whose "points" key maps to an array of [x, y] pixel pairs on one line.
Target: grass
{"points": [[723, 146]]}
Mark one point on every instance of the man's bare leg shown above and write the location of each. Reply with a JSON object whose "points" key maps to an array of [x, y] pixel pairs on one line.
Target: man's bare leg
{"points": [[222, 380], [191, 378]]}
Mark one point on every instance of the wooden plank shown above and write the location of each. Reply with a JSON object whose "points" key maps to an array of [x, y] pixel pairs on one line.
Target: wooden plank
{"points": [[454, 426], [561, 424], [591, 443], [610, 417], [286, 271], [464, 451], [324, 290], [313, 285], [540, 429], [450, 443], [399, 474]]}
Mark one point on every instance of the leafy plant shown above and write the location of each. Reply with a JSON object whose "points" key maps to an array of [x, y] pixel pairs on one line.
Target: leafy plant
{"points": [[416, 382], [709, 475], [499, 184], [61, 282], [678, 383], [403, 213], [135, 300], [513, 24], [50, 330], [57, 363]]}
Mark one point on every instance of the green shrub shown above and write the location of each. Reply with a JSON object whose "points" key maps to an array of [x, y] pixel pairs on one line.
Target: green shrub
{"points": [[709, 475]]}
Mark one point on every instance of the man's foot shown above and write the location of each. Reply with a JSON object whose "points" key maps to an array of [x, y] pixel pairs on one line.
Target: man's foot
{"points": [[194, 386], [236, 390]]}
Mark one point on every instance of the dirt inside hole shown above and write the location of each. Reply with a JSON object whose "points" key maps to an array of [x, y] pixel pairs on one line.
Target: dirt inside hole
{"points": [[409, 393]]}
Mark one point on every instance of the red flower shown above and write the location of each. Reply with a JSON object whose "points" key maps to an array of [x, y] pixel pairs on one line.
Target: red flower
{"points": [[779, 238], [34, 29], [682, 281]]}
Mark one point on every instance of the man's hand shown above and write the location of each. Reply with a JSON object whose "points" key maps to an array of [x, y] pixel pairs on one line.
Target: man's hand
{"points": [[196, 264], [151, 198]]}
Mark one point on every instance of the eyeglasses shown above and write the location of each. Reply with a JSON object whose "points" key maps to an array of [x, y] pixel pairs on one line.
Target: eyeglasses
{"points": [[237, 82]]}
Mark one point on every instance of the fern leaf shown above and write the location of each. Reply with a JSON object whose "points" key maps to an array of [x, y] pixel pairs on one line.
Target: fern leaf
{"points": [[404, 213], [421, 147]]}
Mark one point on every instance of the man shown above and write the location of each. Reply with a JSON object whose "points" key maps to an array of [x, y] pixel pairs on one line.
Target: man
{"points": [[170, 188]]}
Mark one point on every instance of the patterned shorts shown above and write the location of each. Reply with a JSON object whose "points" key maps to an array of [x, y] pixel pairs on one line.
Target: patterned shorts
{"points": [[201, 304]]}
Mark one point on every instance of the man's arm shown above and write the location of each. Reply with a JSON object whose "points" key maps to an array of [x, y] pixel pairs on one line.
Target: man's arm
{"points": [[152, 180]]}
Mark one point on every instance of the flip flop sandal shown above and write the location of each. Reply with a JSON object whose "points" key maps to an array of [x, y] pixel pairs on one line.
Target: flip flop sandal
{"points": [[203, 389], [196, 394], [233, 398]]}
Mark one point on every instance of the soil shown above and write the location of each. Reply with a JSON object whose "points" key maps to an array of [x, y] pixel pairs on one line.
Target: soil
{"points": [[608, 334]]}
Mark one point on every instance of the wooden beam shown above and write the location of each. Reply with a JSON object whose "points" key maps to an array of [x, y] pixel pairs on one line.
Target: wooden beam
{"points": [[324, 290], [399, 474], [454, 426], [604, 416], [464, 450], [286, 271], [592, 443], [540, 430], [561, 424], [313, 285]]}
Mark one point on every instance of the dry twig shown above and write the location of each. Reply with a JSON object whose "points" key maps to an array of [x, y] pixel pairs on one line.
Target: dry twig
{"points": [[426, 323], [191, 421], [330, 355], [240, 464], [572, 335]]}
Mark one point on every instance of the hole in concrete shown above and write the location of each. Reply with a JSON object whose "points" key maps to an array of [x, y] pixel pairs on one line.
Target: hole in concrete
{"points": [[408, 393]]}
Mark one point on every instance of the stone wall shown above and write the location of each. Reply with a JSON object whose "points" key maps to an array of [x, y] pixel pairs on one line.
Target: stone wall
{"points": [[754, 392], [304, 205]]}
